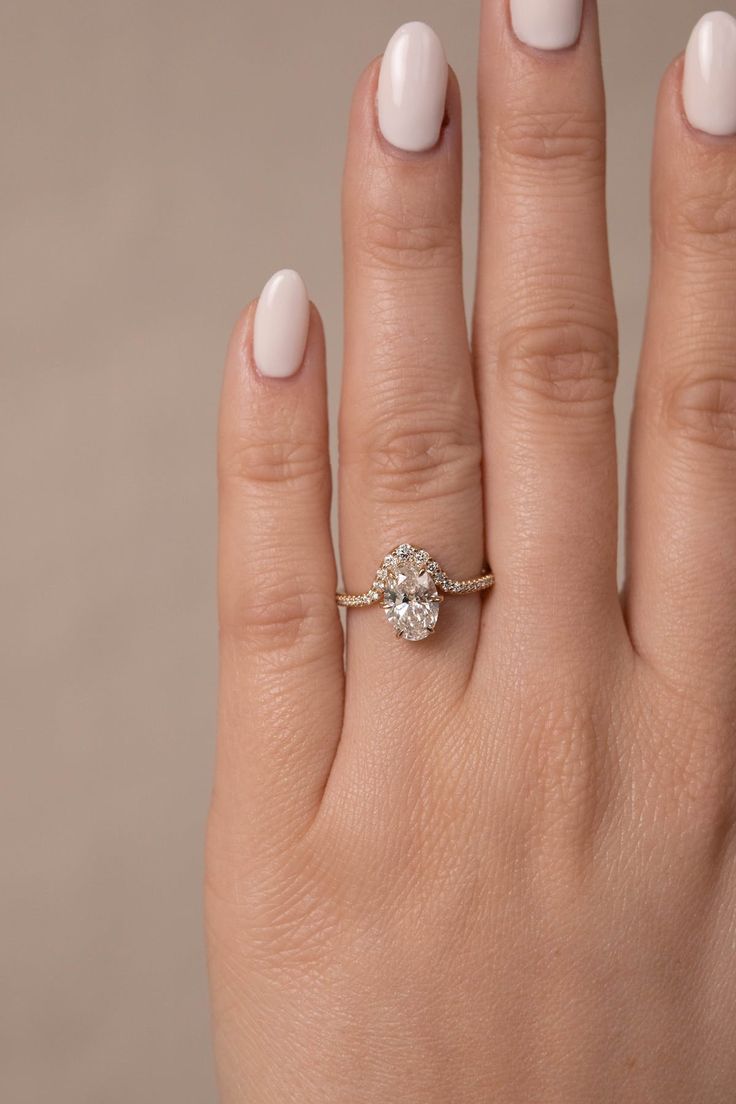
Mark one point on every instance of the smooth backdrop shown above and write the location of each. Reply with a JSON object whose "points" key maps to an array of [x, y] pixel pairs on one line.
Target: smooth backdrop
{"points": [[160, 159]]}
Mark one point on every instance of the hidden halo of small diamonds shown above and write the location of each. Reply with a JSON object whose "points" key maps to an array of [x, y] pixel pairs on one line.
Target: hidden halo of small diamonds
{"points": [[410, 585]]}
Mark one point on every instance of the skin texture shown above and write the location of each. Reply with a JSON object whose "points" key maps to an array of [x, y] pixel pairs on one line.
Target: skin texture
{"points": [[499, 864]]}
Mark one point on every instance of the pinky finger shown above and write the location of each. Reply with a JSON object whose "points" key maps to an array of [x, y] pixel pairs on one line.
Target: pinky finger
{"points": [[281, 672]]}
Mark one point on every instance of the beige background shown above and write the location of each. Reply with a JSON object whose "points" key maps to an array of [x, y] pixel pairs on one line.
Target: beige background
{"points": [[160, 159]]}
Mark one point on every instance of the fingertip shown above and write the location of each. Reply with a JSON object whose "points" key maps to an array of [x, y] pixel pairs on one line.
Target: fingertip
{"points": [[412, 89], [697, 93], [547, 26], [281, 325], [537, 33], [709, 75], [252, 404], [365, 127], [691, 168]]}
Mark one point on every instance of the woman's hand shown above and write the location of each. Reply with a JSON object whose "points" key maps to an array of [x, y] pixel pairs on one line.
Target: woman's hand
{"points": [[499, 864]]}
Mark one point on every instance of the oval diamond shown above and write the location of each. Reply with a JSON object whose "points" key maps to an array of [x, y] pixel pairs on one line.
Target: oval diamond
{"points": [[410, 598]]}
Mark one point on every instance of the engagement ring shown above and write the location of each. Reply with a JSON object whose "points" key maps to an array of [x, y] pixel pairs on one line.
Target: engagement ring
{"points": [[410, 585]]}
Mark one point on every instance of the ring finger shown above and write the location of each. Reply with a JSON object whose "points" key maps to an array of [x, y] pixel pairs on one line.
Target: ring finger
{"points": [[410, 465]]}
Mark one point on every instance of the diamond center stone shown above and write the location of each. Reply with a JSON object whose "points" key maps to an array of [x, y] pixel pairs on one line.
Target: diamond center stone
{"points": [[410, 600]]}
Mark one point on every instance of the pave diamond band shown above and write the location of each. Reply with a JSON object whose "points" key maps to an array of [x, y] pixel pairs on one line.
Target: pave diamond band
{"points": [[410, 585]]}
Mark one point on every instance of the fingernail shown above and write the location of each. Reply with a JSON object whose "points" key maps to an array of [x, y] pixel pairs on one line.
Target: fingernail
{"points": [[412, 87], [709, 80], [547, 24], [281, 325]]}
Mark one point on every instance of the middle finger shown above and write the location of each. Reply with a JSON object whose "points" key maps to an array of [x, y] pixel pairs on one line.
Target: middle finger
{"points": [[545, 322]]}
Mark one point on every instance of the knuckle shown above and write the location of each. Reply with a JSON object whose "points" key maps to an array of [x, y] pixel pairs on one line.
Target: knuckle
{"points": [[431, 462], [566, 139], [262, 463], [699, 786], [564, 365], [401, 240], [277, 616], [564, 768], [702, 222], [703, 411], [695, 777]]}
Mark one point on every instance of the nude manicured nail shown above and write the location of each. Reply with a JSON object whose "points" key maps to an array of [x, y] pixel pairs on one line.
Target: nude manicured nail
{"points": [[547, 24], [412, 87], [281, 325], [709, 78]]}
